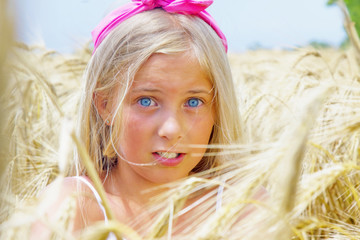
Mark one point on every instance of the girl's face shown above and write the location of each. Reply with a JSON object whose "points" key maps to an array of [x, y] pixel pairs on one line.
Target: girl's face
{"points": [[168, 108]]}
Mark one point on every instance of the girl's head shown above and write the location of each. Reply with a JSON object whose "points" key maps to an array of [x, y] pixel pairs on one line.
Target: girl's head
{"points": [[128, 69]]}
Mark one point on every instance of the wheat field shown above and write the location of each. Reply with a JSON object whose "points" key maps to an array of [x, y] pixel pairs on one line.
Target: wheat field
{"points": [[301, 116], [301, 119]]}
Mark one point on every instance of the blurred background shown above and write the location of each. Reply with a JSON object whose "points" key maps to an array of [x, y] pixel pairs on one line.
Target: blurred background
{"points": [[277, 24]]}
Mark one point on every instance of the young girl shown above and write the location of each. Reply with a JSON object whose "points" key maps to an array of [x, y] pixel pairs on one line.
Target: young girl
{"points": [[158, 90]]}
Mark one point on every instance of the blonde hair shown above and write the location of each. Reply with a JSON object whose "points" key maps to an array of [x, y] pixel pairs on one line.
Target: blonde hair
{"points": [[125, 50]]}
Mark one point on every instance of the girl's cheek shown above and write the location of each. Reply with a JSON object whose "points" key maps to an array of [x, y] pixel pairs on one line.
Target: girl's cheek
{"points": [[133, 121], [141, 123], [203, 116]]}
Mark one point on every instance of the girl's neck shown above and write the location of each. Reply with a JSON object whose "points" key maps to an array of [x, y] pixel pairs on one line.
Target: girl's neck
{"points": [[127, 186]]}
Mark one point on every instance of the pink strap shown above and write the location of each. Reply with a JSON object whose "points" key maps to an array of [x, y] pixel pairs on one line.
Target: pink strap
{"points": [[187, 7]]}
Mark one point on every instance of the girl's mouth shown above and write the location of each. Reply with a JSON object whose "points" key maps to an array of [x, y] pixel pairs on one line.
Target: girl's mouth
{"points": [[169, 159]]}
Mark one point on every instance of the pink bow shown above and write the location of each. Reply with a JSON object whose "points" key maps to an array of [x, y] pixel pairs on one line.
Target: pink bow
{"points": [[187, 7], [178, 6]]}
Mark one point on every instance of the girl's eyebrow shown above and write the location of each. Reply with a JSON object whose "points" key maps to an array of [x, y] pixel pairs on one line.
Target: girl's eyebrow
{"points": [[192, 91], [142, 89], [196, 91]]}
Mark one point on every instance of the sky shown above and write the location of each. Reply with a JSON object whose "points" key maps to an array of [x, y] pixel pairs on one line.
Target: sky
{"points": [[65, 25]]}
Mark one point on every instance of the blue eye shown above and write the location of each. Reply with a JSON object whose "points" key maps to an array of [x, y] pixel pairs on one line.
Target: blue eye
{"points": [[194, 102], [146, 102]]}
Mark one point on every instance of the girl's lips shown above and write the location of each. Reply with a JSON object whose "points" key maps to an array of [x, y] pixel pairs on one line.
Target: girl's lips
{"points": [[169, 162]]}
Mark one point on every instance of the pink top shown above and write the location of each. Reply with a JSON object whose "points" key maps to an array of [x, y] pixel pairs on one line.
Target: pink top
{"points": [[187, 7]]}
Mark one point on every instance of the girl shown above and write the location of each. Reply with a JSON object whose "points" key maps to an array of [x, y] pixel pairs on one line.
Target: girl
{"points": [[157, 85]]}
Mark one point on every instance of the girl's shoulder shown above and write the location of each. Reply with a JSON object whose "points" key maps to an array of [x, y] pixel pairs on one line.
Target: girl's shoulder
{"points": [[69, 194], [78, 189], [63, 188]]}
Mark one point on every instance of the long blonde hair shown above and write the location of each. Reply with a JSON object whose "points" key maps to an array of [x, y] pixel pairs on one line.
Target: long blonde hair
{"points": [[124, 51]]}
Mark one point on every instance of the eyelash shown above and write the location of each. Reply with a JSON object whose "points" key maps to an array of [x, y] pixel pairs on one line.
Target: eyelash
{"points": [[153, 103]]}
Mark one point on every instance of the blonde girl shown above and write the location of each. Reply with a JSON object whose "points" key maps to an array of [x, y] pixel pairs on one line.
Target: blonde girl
{"points": [[158, 84]]}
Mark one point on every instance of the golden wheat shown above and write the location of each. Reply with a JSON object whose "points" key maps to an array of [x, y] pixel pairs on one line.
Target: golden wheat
{"points": [[301, 112]]}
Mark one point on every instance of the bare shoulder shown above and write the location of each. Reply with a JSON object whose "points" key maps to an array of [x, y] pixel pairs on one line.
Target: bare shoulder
{"points": [[60, 190], [58, 201], [67, 185]]}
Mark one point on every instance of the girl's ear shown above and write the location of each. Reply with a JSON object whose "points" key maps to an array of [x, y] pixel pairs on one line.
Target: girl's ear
{"points": [[102, 106]]}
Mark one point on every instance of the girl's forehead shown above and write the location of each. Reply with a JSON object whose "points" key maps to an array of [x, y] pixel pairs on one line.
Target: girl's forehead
{"points": [[172, 70], [170, 60]]}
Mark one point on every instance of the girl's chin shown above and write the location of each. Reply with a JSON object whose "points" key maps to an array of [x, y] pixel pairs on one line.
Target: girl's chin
{"points": [[166, 176]]}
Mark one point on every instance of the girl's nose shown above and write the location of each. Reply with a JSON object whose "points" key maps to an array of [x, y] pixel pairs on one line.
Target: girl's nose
{"points": [[170, 129]]}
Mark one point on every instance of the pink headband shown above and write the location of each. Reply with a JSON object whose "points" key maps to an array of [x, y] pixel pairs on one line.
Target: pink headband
{"points": [[187, 7]]}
